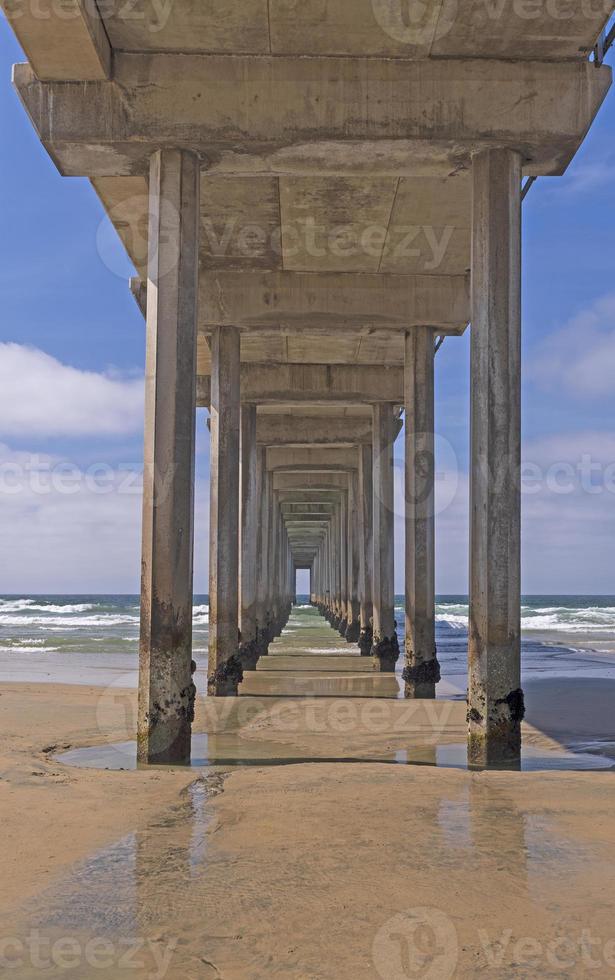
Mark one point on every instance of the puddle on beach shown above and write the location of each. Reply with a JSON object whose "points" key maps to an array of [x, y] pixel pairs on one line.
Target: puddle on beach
{"points": [[232, 750]]}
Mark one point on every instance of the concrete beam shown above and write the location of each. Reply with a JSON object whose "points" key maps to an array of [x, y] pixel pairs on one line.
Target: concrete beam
{"points": [[297, 431], [291, 508], [316, 383], [349, 304], [308, 498], [77, 49], [324, 458], [272, 115], [299, 300], [311, 482]]}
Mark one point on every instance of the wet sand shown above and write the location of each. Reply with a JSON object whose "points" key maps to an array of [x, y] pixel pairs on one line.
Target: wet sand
{"points": [[317, 870]]}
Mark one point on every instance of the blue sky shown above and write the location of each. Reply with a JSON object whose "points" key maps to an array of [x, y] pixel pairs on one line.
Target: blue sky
{"points": [[72, 356]]}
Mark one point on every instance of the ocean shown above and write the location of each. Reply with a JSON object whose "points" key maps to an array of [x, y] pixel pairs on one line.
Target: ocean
{"points": [[94, 638]]}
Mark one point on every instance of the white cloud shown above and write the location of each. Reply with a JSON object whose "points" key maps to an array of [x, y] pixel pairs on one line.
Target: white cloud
{"points": [[40, 396], [568, 518], [580, 357], [68, 529]]}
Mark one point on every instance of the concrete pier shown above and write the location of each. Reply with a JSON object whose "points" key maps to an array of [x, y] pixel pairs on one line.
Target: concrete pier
{"points": [[334, 191], [421, 671], [166, 695], [495, 698]]}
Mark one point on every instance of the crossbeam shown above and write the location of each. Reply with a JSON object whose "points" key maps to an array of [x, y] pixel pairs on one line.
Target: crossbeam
{"points": [[316, 383], [272, 115], [295, 301]]}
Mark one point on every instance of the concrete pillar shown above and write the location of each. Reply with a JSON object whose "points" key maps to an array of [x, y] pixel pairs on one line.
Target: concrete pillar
{"points": [[328, 569], [353, 630], [421, 671], [343, 563], [366, 548], [496, 707], [166, 691], [262, 554], [275, 561], [248, 650], [385, 649], [225, 670], [273, 575], [337, 565]]}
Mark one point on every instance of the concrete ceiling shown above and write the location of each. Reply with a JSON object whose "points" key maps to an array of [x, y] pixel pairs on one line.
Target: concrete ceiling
{"points": [[403, 226], [439, 28], [335, 136]]}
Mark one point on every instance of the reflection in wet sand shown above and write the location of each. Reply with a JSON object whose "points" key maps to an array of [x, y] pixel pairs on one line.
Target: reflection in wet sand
{"points": [[190, 889]]}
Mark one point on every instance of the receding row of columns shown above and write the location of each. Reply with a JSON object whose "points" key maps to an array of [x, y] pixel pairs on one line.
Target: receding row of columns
{"points": [[254, 551]]}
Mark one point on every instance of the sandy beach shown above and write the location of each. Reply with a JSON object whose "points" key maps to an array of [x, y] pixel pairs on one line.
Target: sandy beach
{"points": [[308, 870]]}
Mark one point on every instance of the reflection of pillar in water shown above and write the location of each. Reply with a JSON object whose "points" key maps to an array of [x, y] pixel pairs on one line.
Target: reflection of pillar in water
{"points": [[498, 831], [168, 855]]}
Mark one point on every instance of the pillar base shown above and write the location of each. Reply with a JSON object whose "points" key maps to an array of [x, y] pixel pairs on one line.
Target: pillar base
{"points": [[175, 745], [249, 654], [225, 680], [263, 638], [167, 735], [343, 626], [353, 631], [366, 641], [386, 654], [421, 679], [497, 742]]}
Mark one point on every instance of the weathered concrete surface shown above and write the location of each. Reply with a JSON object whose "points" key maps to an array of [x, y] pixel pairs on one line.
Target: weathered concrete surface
{"points": [[312, 458], [301, 300], [311, 483], [225, 669], [327, 27], [385, 649], [263, 623], [64, 41], [296, 383], [249, 649], [366, 517], [353, 614], [300, 432], [495, 699], [435, 113], [421, 671], [166, 693], [363, 306]]}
